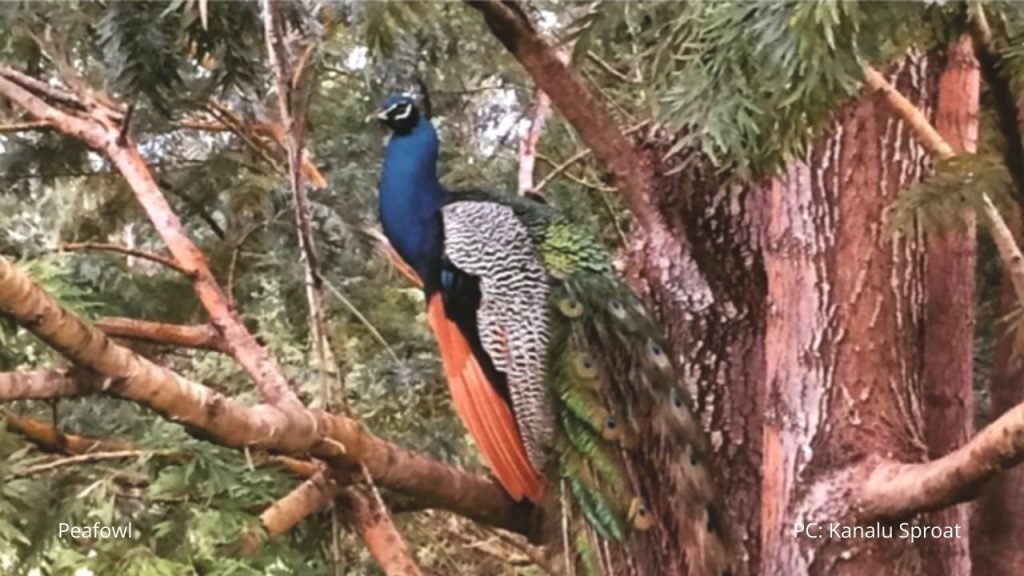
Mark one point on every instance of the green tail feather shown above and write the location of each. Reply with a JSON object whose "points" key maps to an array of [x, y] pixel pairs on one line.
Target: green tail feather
{"points": [[615, 390]]}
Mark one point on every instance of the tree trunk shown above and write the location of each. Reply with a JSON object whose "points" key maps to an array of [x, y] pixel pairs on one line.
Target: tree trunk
{"points": [[710, 300], [950, 309], [842, 336], [997, 528]]}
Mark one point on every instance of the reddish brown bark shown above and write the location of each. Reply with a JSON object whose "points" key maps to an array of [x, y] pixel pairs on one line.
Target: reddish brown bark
{"points": [[949, 320], [370, 519], [48, 437], [997, 526], [306, 499], [841, 336], [201, 336]]}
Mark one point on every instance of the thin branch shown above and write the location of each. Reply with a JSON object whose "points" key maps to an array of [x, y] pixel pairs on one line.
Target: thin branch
{"points": [[362, 318], [384, 245], [143, 254], [24, 126], [528, 142], [293, 95], [47, 437], [88, 459], [42, 89], [372, 521], [580, 155], [200, 336], [306, 499], [593, 57]]}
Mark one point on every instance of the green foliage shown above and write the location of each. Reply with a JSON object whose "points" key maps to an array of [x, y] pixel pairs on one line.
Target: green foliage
{"points": [[956, 184], [142, 53], [748, 84]]}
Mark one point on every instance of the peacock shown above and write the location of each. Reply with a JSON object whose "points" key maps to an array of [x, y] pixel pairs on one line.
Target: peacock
{"points": [[557, 371]]}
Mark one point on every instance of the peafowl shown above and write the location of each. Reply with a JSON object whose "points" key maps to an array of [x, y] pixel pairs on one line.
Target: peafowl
{"points": [[554, 366]]}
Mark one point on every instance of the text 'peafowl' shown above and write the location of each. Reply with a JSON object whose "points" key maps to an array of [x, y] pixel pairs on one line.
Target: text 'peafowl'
{"points": [[555, 368]]}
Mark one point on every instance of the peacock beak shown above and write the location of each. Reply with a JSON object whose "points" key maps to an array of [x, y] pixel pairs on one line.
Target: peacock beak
{"points": [[379, 115]]}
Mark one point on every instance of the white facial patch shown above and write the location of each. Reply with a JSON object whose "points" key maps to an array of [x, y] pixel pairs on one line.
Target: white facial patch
{"points": [[404, 113]]}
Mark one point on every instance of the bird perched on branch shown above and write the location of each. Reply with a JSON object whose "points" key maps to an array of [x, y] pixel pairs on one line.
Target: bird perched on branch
{"points": [[560, 375]]}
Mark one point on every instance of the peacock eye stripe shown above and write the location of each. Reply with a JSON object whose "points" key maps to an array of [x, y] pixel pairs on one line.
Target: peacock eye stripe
{"points": [[615, 307]]}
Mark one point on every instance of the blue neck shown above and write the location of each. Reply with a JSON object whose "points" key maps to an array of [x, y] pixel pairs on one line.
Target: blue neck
{"points": [[411, 197]]}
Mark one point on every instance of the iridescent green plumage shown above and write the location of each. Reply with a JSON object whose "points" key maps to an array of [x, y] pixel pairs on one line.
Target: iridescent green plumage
{"points": [[617, 399]]}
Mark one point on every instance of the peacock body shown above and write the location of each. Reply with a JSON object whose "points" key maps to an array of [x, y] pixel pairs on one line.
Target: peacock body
{"points": [[554, 366]]}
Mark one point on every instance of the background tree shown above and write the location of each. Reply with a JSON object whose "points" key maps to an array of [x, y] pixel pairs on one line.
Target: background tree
{"points": [[799, 225]]}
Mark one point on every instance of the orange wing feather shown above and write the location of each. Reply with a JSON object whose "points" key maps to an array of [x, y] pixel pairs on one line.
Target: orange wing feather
{"points": [[484, 412]]}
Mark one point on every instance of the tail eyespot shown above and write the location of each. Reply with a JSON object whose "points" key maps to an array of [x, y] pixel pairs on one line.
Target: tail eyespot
{"points": [[570, 307], [639, 515], [611, 430], [616, 309], [585, 366]]}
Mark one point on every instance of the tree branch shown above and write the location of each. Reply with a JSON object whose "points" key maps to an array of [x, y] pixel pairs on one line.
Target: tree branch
{"points": [[143, 254], [897, 490], [633, 170], [47, 437], [308, 498], [372, 521], [201, 336], [14, 127], [211, 415], [45, 384], [88, 458]]}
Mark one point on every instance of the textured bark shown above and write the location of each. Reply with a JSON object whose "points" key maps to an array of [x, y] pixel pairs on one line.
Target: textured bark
{"points": [[997, 527], [709, 296], [841, 344], [305, 500], [48, 437], [948, 376], [44, 384], [201, 336], [370, 519]]}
